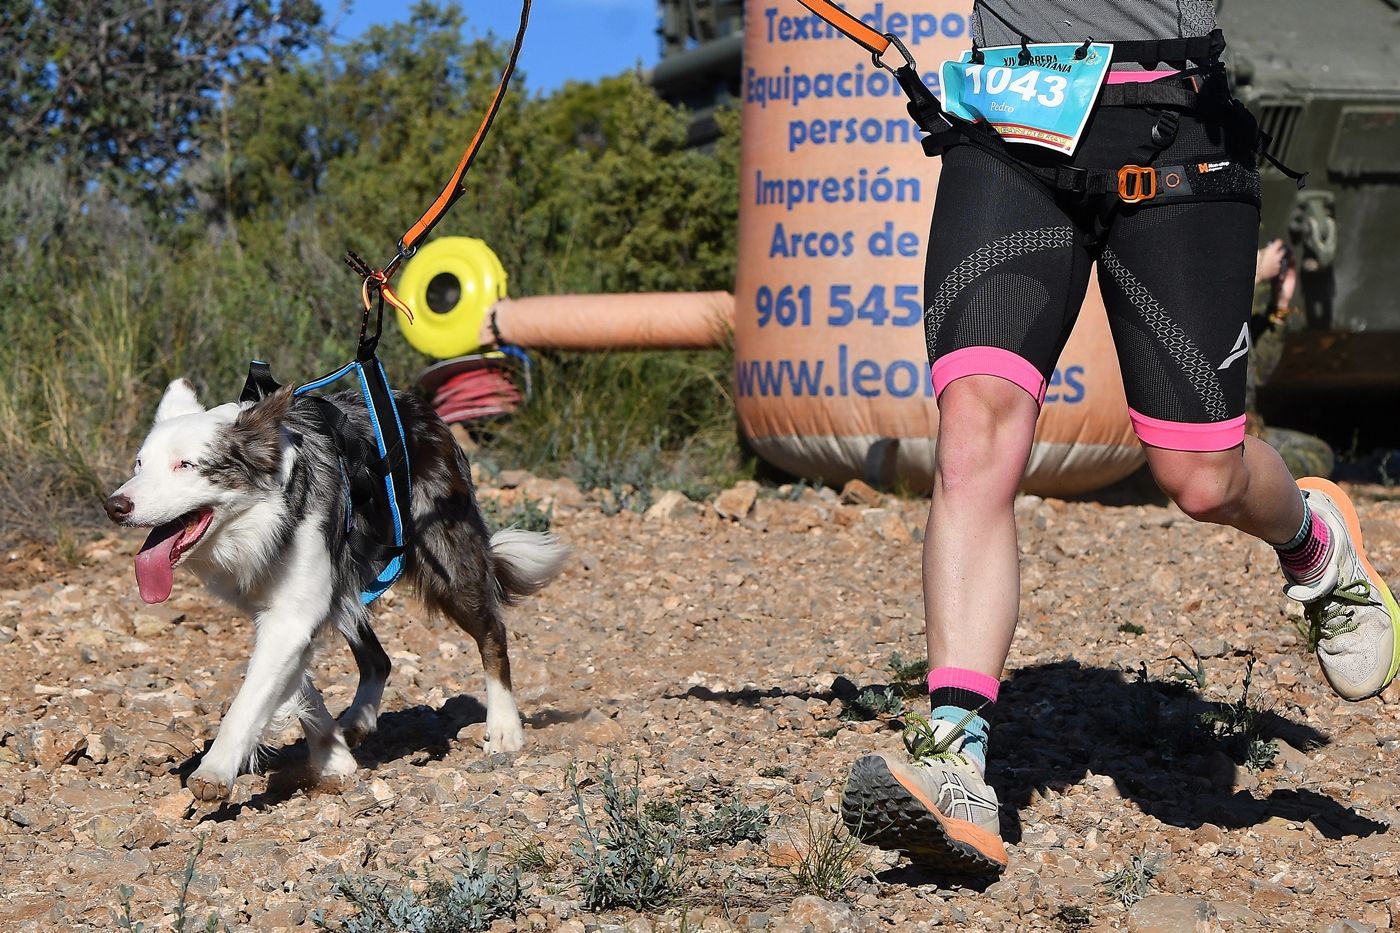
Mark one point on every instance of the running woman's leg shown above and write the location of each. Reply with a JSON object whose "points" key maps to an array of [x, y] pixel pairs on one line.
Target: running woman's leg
{"points": [[1007, 271], [971, 564], [1178, 285]]}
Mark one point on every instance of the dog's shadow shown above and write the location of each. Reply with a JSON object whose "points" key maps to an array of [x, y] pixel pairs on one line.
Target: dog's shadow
{"points": [[419, 732]]}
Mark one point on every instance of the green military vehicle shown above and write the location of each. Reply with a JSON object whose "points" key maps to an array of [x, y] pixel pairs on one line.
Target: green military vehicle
{"points": [[1324, 80]]}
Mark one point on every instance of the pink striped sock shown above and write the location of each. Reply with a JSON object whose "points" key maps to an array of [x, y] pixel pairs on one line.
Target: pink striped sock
{"points": [[963, 679], [1306, 562]]}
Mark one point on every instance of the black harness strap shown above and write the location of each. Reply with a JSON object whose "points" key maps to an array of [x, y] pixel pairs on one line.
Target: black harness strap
{"points": [[1148, 53], [259, 384]]}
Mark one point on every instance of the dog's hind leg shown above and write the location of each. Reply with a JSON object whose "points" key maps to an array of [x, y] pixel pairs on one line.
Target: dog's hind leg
{"points": [[503, 731], [362, 716], [330, 758]]}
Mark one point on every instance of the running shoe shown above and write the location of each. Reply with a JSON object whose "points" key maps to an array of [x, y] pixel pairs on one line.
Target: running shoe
{"points": [[931, 804], [1349, 616]]}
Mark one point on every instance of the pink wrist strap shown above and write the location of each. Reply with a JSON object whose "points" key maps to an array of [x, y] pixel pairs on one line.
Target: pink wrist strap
{"points": [[964, 679]]}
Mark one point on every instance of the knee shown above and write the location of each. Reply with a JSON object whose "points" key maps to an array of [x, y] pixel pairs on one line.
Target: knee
{"points": [[985, 429], [1207, 487]]}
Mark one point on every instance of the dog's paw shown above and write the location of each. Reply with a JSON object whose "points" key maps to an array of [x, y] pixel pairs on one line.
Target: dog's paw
{"points": [[357, 724], [209, 787], [333, 761], [504, 737]]}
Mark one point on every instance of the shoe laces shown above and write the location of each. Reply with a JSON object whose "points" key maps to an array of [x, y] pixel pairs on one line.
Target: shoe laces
{"points": [[1335, 613], [924, 746]]}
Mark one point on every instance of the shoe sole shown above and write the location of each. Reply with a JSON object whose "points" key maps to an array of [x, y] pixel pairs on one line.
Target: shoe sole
{"points": [[881, 811], [1353, 522]]}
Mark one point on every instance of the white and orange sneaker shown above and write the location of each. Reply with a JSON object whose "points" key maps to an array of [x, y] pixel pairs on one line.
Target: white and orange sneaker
{"points": [[931, 803], [1349, 616]]}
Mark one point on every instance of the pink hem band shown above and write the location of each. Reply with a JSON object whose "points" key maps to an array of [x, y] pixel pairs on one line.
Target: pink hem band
{"points": [[965, 680], [1133, 77], [1181, 435], [988, 361]]}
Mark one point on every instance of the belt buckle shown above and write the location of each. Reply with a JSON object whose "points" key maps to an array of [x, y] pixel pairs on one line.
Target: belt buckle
{"points": [[1137, 183]]}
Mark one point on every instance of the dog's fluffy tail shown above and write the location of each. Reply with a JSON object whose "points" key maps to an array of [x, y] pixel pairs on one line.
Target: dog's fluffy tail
{"points": [[524, 561]]}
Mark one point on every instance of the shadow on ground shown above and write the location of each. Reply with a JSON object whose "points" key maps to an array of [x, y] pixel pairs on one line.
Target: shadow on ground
{"points": [[1054, 724]]}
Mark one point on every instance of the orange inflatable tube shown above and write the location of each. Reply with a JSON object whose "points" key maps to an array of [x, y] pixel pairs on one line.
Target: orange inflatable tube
{"points": [[659, 321]]}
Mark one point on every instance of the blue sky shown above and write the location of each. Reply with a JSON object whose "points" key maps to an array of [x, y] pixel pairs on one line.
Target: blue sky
{"points": [[567, 39]]}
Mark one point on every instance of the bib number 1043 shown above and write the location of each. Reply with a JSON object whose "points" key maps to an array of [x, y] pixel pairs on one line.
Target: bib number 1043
{"points": [[1041, 95], [1031, 84]]}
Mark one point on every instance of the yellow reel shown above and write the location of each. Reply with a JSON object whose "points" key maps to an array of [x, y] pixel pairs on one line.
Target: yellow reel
{"points": [[450, 284]]}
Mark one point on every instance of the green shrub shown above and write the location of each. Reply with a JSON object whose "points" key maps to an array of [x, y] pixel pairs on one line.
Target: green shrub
{"points": [[469, 901], [628, 858]]}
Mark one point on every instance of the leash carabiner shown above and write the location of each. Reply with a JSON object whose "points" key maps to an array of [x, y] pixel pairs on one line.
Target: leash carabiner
{"points": [[894, 41]]}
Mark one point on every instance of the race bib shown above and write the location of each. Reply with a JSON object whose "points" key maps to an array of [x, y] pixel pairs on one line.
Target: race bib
{"points": [[1045, 102]]}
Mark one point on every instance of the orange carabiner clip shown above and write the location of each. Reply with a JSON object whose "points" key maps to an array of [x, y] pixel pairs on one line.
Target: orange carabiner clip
{"points": [[1137, 183]]}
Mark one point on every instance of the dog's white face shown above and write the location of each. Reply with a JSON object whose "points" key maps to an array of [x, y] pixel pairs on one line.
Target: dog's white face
{"points": [[190, 478]]}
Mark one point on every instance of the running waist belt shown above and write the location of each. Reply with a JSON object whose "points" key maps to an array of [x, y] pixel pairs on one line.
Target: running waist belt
{"points": [[1196, 56]]}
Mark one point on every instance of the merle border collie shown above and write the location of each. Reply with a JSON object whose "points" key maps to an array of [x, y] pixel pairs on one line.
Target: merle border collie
{"points": [[250, 496]]}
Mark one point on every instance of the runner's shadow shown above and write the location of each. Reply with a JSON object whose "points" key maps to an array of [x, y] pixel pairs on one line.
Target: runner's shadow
{"points": [[753, 697], [1173, 753]]}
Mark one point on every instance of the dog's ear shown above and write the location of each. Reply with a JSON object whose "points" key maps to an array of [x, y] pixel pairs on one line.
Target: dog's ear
{"points": [[179, 399], [257, 431]]}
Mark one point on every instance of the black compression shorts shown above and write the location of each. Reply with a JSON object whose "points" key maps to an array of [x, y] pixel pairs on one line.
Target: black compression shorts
{"points": [[1008, 267]]}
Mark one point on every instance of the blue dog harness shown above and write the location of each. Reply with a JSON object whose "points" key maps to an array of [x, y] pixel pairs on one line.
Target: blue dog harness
{"points": [[376, 480]]}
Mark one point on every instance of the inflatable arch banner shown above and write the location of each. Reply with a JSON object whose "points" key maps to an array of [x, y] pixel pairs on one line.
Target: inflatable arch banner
{"points": [[835, 200]]}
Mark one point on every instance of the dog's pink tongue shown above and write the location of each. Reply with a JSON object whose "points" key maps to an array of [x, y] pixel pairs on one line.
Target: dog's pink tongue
{"points": [[155, 563]]}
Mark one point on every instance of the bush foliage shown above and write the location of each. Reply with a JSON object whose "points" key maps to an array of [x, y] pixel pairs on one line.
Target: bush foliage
{"points": [[114, 289]]}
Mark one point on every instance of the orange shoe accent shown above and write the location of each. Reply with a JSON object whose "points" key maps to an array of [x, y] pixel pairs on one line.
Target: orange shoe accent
{"points": [[961, 830]]}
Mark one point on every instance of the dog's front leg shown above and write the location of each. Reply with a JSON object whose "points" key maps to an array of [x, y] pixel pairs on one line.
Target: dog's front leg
{"points": [[281, 654]]}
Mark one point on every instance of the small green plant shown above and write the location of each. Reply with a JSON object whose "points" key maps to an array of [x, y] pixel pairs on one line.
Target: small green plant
{"points": [[1237, 726], [910, 676], [535, 855], [663, 811], [829, 859], [1190, 674], [1070, 918], [525, 514], [872, 703], [125, 921], [731, 822], [1133, 882], [1131, 628], [773, 771], [471, 900], [628, 859]]}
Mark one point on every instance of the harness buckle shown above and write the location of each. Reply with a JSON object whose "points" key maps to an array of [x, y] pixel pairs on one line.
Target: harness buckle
{"points": [[1137, 183]]}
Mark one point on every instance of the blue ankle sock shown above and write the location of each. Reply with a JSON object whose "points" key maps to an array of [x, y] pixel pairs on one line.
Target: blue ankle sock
{"points": [[974, 731]]}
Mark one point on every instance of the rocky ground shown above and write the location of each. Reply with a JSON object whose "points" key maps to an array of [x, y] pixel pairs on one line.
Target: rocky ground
{"points": [[714, 654]]}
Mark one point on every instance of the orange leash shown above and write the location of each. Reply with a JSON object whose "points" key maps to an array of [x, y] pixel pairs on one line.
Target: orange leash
{"points": [[872, 41], [376, 281]]}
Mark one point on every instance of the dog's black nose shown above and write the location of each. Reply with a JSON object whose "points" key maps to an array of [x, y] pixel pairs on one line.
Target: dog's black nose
{"points": [[118, 507]]}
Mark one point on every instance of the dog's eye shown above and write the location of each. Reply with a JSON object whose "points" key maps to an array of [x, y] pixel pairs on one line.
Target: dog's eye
{"points": [[184, 465]]}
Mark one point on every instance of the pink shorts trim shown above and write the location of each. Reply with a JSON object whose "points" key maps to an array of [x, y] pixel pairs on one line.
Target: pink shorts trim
{"points": [[988, 361], [964, 679], [1132, 77], [1180, 435]]}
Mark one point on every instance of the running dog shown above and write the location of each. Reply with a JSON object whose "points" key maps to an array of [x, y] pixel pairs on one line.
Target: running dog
{"points": [[250, 496]]}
